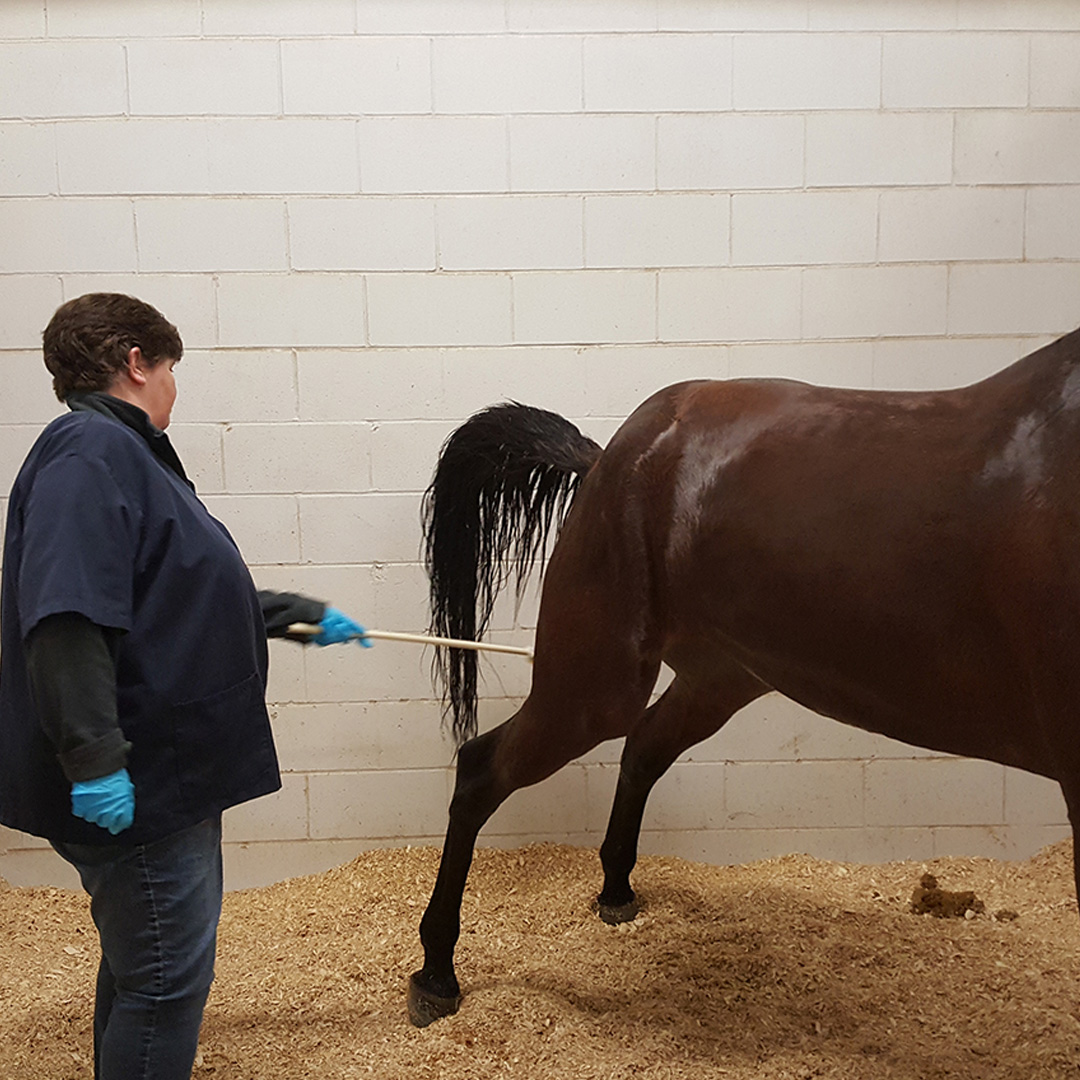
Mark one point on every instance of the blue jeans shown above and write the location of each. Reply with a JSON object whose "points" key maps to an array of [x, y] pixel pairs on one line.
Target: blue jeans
{"points": [[156, 907]]}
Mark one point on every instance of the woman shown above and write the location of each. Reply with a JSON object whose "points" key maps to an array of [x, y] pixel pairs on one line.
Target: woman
{"points": [[133, 675]]}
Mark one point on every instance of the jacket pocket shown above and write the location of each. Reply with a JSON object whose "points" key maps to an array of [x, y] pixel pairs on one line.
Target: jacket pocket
{"points": [[224, 747]]}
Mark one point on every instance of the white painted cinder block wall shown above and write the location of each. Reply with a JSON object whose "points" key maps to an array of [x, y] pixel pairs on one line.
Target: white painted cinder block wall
{"points": [[371, 217]]}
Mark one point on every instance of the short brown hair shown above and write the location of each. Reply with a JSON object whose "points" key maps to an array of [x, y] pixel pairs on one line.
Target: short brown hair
{"points": [[87, 341]]}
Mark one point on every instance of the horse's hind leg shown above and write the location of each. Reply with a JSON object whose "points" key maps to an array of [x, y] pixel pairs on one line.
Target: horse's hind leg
{"points": [[433, 990], [682, 717], [534, 743]]}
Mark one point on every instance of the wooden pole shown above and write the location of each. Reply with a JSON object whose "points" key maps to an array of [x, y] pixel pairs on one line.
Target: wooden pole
{"points": [[311, 629]]}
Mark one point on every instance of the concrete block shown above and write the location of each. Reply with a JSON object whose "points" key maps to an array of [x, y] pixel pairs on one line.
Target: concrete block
{"points": [[283, 18], [822, 738], [359, 528], [980, 841], [601, 778], [585, 15], [729, 152], [510, 232], [835, 363], [1017, 15], [1013, 298], [1053, 58], [590, 306], [279, 816], [27, 159], [199, 447], [51, 236], [1033, 800], [555, 805], [911, 15], [379, 674], [362, 234], [657, 230], [396, 598], [28, 396], [741, 846], [543, 376], [211, 235], [277, 310], [430, 17], [137, 157], [806, 227], [369, 384], [658, 72], [938, 364], [342, 737], [38, 867], [1010, 146], [506, 74], [380, 596], [805, 794], [248, 865], [764, 730], [287, 680], [28, 302], [955, 71], [687, 796], [731, 15], [15, 840], [62, 78], [118, 19], [356, 76], [391, 803], [951, 224], [15, 443], [729, 305], [847, 149], [257, 156], [1052, 226], [403, 454], [439, 309], [204, 77], [942, 791], [595, 153], [22, 21], [874, 301], [619, 378], [297, 457], [226, 386], [432, 154], [807, 71], [265, 527]]}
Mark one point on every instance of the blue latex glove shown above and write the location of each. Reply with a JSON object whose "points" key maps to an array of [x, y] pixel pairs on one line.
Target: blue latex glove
{"points": [[336, 627], [108, 801]]}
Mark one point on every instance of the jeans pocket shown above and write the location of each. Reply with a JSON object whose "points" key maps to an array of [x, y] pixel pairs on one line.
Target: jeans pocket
{"points": [[224, 747]]}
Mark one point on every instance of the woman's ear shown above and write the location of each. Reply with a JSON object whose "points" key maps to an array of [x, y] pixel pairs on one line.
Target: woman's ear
{"points": [[134, 369]]}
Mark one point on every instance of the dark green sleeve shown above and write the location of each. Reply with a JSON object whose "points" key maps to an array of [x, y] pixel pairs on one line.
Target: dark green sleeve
{"points": [[281, 609], [70, 662]]}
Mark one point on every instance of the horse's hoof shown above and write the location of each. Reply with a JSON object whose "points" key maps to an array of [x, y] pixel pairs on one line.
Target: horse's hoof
{"points": [[425, 1007], [614, 914]]}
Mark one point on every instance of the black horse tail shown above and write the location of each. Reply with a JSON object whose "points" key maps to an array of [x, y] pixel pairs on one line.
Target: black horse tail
{"points": [[502, 480]]}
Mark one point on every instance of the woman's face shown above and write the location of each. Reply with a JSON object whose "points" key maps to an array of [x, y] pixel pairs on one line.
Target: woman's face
{"points": [[159, 392]]}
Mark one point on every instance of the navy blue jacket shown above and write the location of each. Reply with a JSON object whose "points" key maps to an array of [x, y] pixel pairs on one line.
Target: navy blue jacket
{"points": [[98, 525]]}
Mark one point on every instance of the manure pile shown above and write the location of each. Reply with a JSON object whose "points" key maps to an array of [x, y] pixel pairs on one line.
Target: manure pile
{"points": [[790, 968]]}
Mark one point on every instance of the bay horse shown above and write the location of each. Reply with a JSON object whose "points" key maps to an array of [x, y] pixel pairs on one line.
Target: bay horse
{"points": [[906, 562]]}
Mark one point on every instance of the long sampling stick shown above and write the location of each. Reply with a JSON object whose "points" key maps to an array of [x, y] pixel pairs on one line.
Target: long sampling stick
{"points": [[310, 630]]}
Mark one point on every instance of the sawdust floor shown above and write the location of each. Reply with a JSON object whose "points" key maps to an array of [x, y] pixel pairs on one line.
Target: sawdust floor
{"points": [[789, 968]]}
